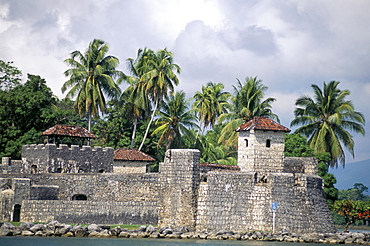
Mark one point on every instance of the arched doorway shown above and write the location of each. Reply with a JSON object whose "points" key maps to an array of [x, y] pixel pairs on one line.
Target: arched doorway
{"points": [[17, 213]]}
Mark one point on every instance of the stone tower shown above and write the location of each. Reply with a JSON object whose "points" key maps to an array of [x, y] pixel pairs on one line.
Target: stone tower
{"points": [[261, 146], [179, 181]]}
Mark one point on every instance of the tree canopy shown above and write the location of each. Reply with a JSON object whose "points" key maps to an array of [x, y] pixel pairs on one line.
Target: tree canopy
{"points": [[91, 78], [10, 75], [248, 101], [327, 119], [25, 111]]}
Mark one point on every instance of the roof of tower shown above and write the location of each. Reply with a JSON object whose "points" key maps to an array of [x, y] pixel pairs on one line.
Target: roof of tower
{"points": [[262, 123], [68, 131], [126, 154]]}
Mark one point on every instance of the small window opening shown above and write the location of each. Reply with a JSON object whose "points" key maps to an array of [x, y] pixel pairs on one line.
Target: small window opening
{"points": [[203, 178], [59, 170], [255, 178], [33, 169], [246, 142], [101, 171], [268, 143], [17, 213], [79, 197], [81, 171]]}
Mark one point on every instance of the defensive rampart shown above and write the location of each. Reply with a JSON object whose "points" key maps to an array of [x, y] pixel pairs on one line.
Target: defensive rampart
{"points": [[84, 212], [49, 158], [180, 195]]}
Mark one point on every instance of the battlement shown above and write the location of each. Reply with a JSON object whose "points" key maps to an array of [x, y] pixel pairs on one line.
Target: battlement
{"points": [[32, 147], [50, 158]]}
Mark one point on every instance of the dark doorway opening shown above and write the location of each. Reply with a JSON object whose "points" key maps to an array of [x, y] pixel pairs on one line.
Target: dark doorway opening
{"points": [[17, 213]]}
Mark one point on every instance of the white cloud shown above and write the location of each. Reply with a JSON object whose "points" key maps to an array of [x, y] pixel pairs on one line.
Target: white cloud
{"points": [[289, 44]]}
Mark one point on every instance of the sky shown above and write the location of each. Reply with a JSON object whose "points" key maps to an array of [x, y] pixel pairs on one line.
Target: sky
{"points": [[288, 44]]}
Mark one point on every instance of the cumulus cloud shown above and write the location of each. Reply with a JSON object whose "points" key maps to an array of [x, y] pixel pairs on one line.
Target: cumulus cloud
{"points": [[289, 44]]}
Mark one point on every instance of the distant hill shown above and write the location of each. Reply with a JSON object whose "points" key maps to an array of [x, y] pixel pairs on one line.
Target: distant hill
{"points": [[356, 172]]}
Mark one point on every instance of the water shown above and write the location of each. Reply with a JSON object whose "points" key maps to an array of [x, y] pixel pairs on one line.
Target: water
{"points": [[62, 241]]}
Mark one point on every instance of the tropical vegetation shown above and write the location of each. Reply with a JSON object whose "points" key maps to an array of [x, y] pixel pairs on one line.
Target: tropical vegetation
{"points": [[174, 120], [247, 102], [91, 79], [327, 119], [352, 211], [155, 78]]}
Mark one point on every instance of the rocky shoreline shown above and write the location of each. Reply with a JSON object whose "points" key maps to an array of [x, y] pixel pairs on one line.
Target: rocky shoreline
{"points": [[56, 229]]}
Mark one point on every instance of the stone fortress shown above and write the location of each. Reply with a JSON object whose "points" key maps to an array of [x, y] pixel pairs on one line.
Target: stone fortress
{"points": [[82, 185]]}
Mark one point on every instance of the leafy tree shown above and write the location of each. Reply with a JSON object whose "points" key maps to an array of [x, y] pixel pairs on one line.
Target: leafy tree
{"points": [[213, 152], [210, 103], [174, 120], [352, 211], [326, 119], [355, 193], [296, 146], [157, 78], [64, 113], [114, 129], [10, 76], [330, 191], [91, 78], [25, 111], [247, 102]]}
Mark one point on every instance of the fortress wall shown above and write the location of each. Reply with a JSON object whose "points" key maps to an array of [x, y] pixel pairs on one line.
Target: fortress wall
{"points": [[86, 212], [301, 202], [52, 159], [10, 166], [111, 198], [206, 167], [306, 165], [97, 187], [223, 201], [44, 192]]}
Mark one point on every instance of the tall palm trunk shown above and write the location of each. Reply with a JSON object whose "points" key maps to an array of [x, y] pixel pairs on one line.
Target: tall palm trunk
{"points": [[150, 122], [133, 133], [89, 126]]}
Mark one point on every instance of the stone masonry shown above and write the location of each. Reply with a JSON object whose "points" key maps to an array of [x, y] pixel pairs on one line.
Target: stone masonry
{"points": [[68, 185]]}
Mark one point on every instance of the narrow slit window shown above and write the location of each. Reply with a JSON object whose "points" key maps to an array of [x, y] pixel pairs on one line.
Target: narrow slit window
{"points": [[246, 142], [268, 143], [79, 197]]}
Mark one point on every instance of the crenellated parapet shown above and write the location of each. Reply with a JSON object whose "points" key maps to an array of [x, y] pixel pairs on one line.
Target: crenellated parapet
{"points": [[50, 158]]}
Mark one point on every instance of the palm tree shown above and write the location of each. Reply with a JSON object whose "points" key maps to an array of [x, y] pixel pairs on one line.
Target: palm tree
{"points": [[132, 109], [210, 103], [175, 119], [91, 78], [246, 103], [326, 119], [157, 78]]}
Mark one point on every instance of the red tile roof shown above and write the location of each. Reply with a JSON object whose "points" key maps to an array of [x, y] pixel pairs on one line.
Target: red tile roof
{"points": [[262, 123], [126, 154], [68, 131]]}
